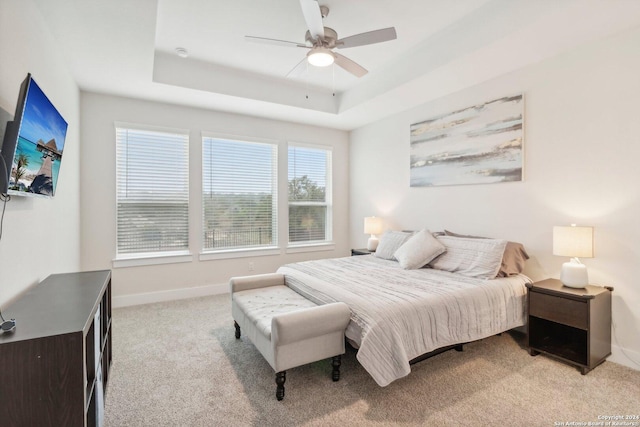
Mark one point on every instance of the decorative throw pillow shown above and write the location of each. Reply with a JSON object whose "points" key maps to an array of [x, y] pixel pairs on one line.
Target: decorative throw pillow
{"points": [[513, 258], [389, 243], [470, 257], [419, 250]]}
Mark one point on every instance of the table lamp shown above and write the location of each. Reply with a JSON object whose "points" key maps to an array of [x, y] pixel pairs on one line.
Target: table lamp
{"points": [[372, 226], [573, 242]]}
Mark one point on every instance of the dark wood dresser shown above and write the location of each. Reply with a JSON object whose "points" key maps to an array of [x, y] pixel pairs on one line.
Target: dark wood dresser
{"points": [[55, 365]]}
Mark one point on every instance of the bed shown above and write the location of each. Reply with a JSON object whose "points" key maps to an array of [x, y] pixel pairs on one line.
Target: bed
{"points": [[399, 314]]}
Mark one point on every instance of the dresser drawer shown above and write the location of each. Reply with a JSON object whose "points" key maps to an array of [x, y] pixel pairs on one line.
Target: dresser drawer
{"points": [[557, 309]]}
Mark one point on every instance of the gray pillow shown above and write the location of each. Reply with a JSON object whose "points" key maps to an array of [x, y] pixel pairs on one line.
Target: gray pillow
{"points": [[389, 243], [470, 257], [513, 258], [419, 250]]}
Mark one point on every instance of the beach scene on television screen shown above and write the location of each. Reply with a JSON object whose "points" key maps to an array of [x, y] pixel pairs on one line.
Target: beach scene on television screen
{"points": [[36, 163]]}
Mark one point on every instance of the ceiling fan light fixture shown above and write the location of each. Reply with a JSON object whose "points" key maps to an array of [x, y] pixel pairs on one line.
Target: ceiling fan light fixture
{"points": [[320, 57]]}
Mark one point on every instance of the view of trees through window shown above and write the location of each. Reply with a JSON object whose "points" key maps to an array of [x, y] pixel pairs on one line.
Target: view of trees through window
{"points": [[239, 193], [307, 213], [308, 199], [238, 220]]}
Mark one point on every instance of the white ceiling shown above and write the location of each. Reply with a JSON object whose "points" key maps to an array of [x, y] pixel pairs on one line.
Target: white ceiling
{"points": [[127, 48]]}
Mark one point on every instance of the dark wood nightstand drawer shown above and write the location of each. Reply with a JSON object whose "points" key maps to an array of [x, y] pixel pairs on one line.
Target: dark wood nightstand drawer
{"points": [[562, 310]]}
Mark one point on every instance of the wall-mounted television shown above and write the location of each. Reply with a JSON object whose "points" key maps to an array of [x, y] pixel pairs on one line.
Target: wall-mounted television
{"points": [[33, 145]]}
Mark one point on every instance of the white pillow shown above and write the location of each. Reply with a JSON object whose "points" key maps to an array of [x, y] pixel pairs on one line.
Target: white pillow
{"points": [[419, 250], [390, 241], [470, 257]]}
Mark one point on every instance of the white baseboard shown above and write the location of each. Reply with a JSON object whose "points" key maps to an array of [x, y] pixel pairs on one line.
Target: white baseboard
{"points": [[173, 294], [625, 357]]}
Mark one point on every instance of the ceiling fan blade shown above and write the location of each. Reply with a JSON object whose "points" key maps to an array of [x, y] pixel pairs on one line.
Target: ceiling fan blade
{"points": [[350, 66], [300, 68], [371, 37], [273, 41], [313, 18]]}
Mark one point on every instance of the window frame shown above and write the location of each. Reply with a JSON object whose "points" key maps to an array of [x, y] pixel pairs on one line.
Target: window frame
{"points": [[313, 245], [249, 251], [133, 259]]}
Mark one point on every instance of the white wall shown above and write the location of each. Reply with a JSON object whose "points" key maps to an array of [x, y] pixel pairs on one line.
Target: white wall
{"points": [[98, 207], [40, 236], [582, 144]]}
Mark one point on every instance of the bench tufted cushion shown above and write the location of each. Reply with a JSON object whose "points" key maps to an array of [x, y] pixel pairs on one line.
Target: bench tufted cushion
{"points": [[260, 305]]}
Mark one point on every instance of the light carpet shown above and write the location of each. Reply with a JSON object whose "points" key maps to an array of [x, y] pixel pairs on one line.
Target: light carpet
{"points": [[178, 364]]}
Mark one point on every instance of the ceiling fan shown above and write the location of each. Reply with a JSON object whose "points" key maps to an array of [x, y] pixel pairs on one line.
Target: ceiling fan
{"points": [[321, 41]]}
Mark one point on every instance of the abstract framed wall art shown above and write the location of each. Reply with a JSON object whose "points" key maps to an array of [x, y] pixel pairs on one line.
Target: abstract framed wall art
{"points": [[480, 144]]}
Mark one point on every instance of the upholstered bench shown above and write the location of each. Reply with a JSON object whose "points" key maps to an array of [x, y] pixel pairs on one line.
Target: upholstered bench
{"points": [[287, 329]]}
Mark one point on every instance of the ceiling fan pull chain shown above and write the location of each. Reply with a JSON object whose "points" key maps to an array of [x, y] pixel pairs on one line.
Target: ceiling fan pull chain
{"points": [[333, 72]]}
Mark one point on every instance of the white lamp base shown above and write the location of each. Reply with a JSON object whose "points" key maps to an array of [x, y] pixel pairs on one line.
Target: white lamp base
{"points": [[574, 274], [372, 243]]}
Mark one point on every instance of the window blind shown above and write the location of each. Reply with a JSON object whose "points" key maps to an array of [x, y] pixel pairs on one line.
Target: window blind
{"points": [[309, 179], [239, 184], [152, 191]]}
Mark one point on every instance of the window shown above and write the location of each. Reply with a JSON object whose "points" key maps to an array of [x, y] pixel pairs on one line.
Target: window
{"points": [[239, 200], [152, 191], [309, 181]]}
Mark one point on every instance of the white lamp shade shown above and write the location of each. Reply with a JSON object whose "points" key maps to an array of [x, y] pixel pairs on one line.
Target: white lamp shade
{"points": [[573, 241], [372, 225]]}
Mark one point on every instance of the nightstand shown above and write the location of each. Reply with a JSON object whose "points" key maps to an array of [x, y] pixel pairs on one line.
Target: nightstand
{"points": [[355, 252], [573, 325]]}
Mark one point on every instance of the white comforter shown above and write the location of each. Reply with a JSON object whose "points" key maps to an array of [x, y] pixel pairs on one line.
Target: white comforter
{"points": [[397, 315]]}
